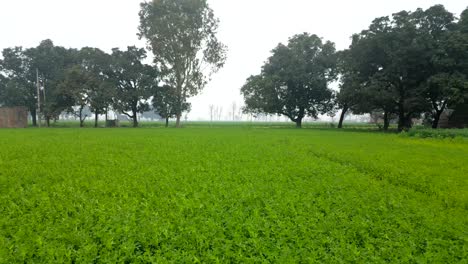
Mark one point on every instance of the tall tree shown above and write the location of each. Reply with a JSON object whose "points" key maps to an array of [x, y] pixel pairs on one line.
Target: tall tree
{"points": [[52, 62], [182, 36], [389, 61], [447, 53], [294, 81], [134, 81]]}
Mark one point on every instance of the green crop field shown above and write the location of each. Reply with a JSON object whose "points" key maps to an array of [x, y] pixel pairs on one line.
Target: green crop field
{"points": [[227, 194]]}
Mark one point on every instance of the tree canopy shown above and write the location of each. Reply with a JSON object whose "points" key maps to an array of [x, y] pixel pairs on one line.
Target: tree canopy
{"points": [[294, 81], [403, 67], [182, 36], [407, 64], [134, 81]]}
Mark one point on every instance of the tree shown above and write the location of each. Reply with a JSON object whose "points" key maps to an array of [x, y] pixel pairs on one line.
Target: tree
{"points": [[134, 81], [351, 96], [18, 81], [164, 101], [445, 80], [463, 22], [233, 107], [75, 89], [212, 112], [294, 81], [389, 61], [3, 98], [182, 36], [51, 62], [100, 92], [82, 87]]}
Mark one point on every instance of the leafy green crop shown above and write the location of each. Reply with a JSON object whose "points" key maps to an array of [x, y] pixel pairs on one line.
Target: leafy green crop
{"points": [[437, 133], [227, 194]]}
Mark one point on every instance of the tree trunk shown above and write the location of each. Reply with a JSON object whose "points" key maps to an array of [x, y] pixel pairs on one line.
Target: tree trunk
{"points": [[135, 119], [107, 110], [96, 119], [167, 121], [408, 122], [298, 122], [401, 117], [178, 120], [81, 116], [435, 122], [34, 117], [386, 121], [342, 116], [48, 121], [437, 114]]}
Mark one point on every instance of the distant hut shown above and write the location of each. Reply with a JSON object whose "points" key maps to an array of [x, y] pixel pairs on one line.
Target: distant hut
{"points": [[454, 118], [13, 117]]}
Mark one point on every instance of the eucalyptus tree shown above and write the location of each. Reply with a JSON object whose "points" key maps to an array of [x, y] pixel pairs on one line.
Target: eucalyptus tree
{"points": [[294, 82], [182, 36]]}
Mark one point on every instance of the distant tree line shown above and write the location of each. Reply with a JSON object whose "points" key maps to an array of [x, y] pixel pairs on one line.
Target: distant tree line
{"points": [[182, 38], [402, 67]]}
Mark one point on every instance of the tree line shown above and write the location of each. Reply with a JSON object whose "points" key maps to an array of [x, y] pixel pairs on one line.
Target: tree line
{"points": [[182, 38], [404, 66]]}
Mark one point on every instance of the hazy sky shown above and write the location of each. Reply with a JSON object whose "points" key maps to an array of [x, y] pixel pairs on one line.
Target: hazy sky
{"points": [[250, 28]]}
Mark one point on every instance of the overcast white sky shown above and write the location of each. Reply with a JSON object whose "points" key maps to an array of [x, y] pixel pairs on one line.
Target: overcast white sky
{"points": [[250, 28]]}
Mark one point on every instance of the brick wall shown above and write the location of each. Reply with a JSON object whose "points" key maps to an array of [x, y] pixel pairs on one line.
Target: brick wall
{"points": [[13, 117]]}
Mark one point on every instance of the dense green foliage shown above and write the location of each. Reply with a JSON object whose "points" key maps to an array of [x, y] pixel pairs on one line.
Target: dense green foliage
{"points": [[71, 80], [436, 133], [406, 65], [230, 194], [183, 38], [294, 81]]}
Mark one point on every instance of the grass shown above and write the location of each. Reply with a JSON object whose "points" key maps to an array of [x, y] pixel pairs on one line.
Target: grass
{"points": [[231, 194]]}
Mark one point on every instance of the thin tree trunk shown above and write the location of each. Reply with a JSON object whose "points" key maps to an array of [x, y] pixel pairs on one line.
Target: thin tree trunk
{"points": [[81, 116], [48, 121], [386, 121], [342, 116], [167, 121], [401, 117], [33, 117], [135, 119]]}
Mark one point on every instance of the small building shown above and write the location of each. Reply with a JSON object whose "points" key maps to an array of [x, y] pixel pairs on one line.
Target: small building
{"points": [[13, 117]]}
